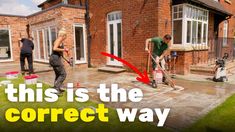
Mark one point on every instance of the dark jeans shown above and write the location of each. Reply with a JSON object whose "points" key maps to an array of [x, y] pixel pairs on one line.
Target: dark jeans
{"points": [[29, 57], [60, 73]]}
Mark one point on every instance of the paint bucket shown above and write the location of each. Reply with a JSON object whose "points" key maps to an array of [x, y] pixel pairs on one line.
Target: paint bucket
{"points": [[31, 79], [159, 76], [12, 75]]}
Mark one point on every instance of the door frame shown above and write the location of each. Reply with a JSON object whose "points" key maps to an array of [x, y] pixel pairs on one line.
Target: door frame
{"points": [[84, 42], [114, 22]]}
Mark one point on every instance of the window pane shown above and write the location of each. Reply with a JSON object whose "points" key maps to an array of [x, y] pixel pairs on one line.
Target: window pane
{"points": [[41, 45], [80, 52], [175, 15], [177, 32], [111, 40], [181, 8], [5, 49], [194, 32], [225, 32], [199, 33], [119, 33], [36, 50], [189, 23], [204, 33], [180, 14], [47, 43], [53, 35], [176, 9], [189, 12]]}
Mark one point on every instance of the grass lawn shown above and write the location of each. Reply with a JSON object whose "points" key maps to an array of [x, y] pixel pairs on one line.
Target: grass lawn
{"points": [[113, 126], [221, 119]]}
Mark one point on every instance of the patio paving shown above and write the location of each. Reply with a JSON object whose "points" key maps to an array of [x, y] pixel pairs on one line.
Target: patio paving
{"points": [[193, 98]]}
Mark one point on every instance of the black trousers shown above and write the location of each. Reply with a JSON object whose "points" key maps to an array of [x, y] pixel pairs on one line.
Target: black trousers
{"points": [[29, 57], [60, 73]]}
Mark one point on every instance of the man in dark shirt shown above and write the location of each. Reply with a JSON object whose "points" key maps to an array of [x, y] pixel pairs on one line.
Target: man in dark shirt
{"points": [[26, 51]]}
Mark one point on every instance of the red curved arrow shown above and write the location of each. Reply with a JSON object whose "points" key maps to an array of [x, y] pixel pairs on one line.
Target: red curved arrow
{"points": [[143, 77]]}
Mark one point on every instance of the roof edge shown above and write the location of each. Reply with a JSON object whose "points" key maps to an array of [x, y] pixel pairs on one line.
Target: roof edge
{"points": [[10, 15], [57, 6]]}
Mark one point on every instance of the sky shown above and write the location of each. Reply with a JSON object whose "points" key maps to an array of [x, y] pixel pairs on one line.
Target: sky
{"points": [[19, 7]]}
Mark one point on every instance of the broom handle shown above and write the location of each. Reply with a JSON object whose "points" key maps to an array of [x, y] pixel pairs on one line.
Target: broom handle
{"points": [[149, 58]]}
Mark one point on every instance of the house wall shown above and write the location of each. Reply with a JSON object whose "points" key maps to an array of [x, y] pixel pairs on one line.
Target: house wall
{"points": [[231, 27], [17, 27], [139, 22], [61, 17]]}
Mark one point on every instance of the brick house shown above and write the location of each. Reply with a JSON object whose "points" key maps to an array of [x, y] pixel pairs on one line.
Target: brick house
{"points": [[147, 18], [120, 27]]}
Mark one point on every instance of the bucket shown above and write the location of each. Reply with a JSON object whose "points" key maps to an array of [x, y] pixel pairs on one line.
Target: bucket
{"points": [[159, 76], [12, 75], [32, 79]]}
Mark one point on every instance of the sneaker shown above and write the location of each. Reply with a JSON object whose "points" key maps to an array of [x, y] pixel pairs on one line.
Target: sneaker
{"points": [[154, 84]]}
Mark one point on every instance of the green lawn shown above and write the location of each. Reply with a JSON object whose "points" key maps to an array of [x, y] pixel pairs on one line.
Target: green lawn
{"points": [[113, 126], [221, 119]]}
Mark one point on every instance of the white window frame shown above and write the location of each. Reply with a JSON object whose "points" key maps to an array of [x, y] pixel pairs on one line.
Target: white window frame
{"points": [[117, 18], [204, 20], [85, 44], [10, 41], [38, 52], [225, 33]]}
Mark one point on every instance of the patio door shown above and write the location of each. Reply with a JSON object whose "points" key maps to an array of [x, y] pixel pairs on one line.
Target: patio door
{"points": [[79, 43], [114, 37]]}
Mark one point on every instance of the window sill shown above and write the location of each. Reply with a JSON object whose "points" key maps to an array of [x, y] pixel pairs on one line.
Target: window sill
{"points": [[188, 47], [9, 60]]}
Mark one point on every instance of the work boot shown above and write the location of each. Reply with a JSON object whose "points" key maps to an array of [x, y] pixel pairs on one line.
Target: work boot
{"points": [[154, 84]]}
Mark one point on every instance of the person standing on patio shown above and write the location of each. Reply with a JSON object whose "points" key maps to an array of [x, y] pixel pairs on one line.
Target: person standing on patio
{"points": [[56, 61], [160, 48], [26, 51]]}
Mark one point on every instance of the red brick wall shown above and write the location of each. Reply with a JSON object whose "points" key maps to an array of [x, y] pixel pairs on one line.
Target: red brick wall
{"points": [[71, 16], [17, 26], [76, 2], [138, 24], [231, 27], [60, 17], [187, 58], [231, 22]]}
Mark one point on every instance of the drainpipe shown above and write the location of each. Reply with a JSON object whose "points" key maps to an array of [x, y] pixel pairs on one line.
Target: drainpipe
{"points": [[87, 21]]}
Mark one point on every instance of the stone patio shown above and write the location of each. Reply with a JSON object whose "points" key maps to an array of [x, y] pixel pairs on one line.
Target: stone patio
{"points": [[194, 97]]}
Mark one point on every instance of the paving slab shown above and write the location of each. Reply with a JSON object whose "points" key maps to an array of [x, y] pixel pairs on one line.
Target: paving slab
{"points": [[195, 96]]}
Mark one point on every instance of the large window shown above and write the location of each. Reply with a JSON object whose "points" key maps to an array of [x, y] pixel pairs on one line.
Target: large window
{"points": [[190, 24], [5, 45], [43, 41]]}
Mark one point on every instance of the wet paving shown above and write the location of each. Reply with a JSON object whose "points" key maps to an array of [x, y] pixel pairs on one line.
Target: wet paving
{"points": [[190, 101]]}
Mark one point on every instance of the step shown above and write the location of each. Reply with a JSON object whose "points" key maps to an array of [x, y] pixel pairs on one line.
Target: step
{"points": [[111, 69], [208, 70]]}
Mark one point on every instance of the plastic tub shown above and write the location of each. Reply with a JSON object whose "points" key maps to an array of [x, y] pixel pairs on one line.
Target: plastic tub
{"points": [[32, 79], [12, 75]]}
